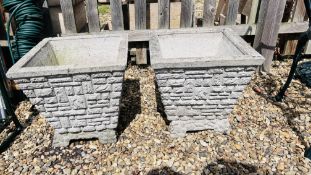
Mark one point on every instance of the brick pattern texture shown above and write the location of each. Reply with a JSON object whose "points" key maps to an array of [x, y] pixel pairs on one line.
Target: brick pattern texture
{"points": [[200, 99], [77, 103]]}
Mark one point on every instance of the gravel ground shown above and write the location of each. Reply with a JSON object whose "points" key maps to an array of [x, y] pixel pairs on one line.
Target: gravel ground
{"points": [[266, 137]]}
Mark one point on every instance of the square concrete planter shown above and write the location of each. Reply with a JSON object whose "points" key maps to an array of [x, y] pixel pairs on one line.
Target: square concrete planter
{"points": [[200, 75], [76, 82]]}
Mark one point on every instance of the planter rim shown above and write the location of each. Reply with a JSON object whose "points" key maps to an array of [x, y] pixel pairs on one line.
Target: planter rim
{"points": [[249, 57], [19, 70]]}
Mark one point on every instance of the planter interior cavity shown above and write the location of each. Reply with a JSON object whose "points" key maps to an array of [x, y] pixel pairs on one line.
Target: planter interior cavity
{"points": [[200, 75], [76, 82], [77, 52], [196, 46]]}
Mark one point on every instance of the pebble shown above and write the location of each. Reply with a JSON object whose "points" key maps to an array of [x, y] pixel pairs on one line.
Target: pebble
{"points": [[260, 138], [67, 171]]}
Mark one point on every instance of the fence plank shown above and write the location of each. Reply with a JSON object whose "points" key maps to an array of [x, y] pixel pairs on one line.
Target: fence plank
{"points": [[186, 15], [253, 13], [140, 14], [92, 15], [298, 16], [245, 7], [232, 13], [242, 5], [116, 15], [308, 48], [220, 7], [56, 3], [68, 14], [80, 16], [140, 23], [300, 11], [269, 21], [164, 14], [209, 12], [243, 30]]}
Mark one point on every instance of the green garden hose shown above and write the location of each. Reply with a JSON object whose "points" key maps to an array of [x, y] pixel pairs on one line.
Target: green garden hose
{"points": [[29, 26]]}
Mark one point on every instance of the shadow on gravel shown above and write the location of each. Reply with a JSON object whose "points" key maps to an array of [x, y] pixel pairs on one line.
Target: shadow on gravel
{"points": [[221, 167], [129, 104], [8, 141], [160, 106], [288, 106], [163, 171], [12, 131], [308, 153], [303, 72], [224, 167], [34, 114]]}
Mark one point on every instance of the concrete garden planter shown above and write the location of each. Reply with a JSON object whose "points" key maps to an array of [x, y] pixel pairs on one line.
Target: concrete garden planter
{"points": [[200, 75], [76, 83]]}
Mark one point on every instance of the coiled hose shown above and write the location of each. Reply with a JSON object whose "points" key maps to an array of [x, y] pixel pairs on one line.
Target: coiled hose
{"points": [[29, 26]]}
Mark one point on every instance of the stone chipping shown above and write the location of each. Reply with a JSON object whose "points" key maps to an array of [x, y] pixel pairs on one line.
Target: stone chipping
{"points": [[266, 137]]}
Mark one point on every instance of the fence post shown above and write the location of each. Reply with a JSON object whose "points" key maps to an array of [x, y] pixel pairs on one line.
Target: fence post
{"points": [[140, 23], [140, 14], [117, 15], [253, 13], [220, 8], [268, 25], [186, 15], [92, 15], [69, 17], [164, 14], [209, 12], [232, 13]]}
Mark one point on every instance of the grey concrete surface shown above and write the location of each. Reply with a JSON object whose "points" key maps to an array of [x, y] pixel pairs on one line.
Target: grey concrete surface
{"points": [[76, 81], [200, 76], [76, 84]]}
